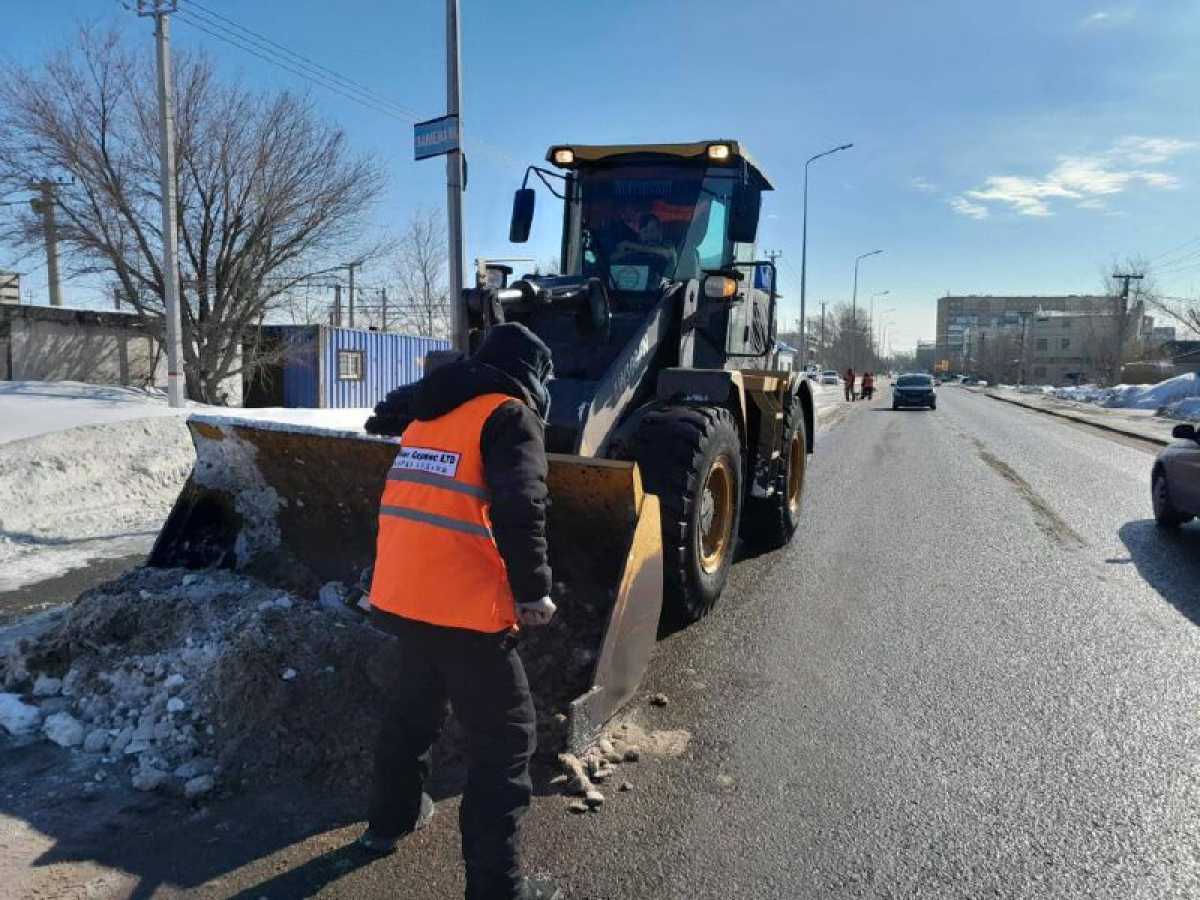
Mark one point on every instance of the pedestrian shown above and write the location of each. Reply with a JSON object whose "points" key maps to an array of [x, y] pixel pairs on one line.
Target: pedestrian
{"points": [[868, 385], [461, 564], [848, 378]]}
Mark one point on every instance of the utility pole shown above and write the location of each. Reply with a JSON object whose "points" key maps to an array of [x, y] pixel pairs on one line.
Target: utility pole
{"points": [[1125, 279], [337, 306], [1123, 319], [350, 302], [383, 308], [161, 10], [43, 205], [454, 179]]}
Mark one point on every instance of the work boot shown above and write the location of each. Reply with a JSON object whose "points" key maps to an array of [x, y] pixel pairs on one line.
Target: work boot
{"points": [[538, 889], [382, 845]]}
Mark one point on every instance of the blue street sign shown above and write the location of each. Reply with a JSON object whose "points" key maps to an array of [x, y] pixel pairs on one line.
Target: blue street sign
{"points": [[762, 278], [435, 137]]}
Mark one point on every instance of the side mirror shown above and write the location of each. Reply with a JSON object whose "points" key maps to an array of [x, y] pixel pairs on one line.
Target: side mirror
{"points": [[1186, 432], [743, 220], [522, 215]]}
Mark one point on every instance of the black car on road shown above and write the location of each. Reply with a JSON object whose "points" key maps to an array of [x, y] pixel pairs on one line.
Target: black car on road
{"points": [[1175, 479], [914, 390]]}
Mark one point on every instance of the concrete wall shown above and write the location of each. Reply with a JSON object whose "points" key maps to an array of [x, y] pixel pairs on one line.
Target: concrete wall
{"points": [[83, 351]]}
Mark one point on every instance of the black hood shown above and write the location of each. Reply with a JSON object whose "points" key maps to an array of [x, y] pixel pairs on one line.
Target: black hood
{"points": [[512, 360]]}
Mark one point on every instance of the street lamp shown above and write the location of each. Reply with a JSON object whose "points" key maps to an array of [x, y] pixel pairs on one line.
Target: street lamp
{"points": [[872, 319], [854, 304], [877, 330], [804, 253]]}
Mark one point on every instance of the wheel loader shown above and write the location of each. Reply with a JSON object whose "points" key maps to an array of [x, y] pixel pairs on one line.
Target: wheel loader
{"points": [[674, 428]]}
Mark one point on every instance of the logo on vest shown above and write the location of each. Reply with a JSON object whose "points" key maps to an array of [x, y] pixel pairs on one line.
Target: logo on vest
{"points": [[423, 459]]}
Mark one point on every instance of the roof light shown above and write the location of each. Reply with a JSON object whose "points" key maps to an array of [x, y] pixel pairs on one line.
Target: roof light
{"points": [[720, 152], [564, 156]]}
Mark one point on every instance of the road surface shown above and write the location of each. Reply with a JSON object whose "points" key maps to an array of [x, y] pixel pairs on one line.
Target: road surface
{"points": [[975, 673]]}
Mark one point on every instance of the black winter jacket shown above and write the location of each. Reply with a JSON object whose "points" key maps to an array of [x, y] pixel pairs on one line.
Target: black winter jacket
{"points": [[514, 362]]}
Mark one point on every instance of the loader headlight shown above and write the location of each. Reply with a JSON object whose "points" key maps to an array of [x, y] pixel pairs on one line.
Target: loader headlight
{"points": [[720, 152], [564, 156], [720, 287]]}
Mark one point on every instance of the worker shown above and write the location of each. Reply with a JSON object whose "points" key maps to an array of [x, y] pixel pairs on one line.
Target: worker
{"points": [[650, 242], [461, 565], [848, 378]]}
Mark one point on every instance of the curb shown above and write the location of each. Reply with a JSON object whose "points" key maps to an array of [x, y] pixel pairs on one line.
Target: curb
{"points": [[1126, 432]]}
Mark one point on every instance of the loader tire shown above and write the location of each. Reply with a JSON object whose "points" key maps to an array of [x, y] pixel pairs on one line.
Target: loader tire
{"points": [[770, 522], [692, 459]]}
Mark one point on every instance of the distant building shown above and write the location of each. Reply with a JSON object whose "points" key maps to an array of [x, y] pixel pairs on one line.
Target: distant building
{"points": [[43, 343], [320, 366], [1161, 335], [10, 287], [956, 314], [1063, 348], [926, 356]]}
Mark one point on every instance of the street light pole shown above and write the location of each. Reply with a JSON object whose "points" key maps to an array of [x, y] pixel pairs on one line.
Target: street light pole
{"points": [[804, 254], [854, 305], [872, 319]]}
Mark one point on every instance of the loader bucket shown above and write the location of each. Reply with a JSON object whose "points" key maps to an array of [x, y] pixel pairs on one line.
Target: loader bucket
{"points": [[297, 506]]}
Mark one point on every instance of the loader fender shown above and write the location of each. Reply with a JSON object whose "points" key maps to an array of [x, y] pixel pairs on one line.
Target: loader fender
{"points": [[802, 394], [705, 387]]}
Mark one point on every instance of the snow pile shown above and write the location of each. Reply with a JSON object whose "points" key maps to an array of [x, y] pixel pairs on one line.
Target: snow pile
{"points": [[167, 676], [1187, 409], [181, 682], [1164, 398], [98, 491], [31, 408]]}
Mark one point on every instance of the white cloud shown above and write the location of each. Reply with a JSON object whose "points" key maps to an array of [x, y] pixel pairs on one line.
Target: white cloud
{"points": [[1148, 151], [1107, 18], [1081, 178], [967, 208], [921, 184]]}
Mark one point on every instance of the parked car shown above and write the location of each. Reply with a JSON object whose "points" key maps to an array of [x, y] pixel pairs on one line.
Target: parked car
{"points": [[812, 373], [1175, 479], [829, 377], [914, 390]]}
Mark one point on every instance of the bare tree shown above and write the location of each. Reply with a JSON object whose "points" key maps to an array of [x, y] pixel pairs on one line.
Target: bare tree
{"points": [[423, 306], [267, 193], [1111, 344]]}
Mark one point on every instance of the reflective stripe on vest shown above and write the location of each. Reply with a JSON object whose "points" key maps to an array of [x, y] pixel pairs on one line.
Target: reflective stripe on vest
{"points": [[436, 559]]}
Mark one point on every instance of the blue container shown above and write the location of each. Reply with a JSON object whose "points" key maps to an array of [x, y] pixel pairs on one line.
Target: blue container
{"points": [[326, 367]]}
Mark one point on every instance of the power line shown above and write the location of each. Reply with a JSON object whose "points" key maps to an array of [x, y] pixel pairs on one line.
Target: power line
{"points": [[300, 59], [269, 51], [235, 40]]}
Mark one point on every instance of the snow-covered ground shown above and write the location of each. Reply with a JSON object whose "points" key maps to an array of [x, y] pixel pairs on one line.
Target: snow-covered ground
{"points": [[1177, 397], [90, 472], [30, 408]]}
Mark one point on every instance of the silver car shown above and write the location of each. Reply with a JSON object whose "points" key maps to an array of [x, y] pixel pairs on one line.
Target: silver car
{"points": [[1175, 479]]}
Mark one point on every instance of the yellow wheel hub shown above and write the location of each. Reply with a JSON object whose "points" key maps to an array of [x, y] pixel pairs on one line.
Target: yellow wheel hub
{"points": [[795, 483], [716, 515]]}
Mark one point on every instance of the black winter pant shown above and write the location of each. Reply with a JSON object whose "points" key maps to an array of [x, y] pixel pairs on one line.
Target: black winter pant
{"points": [[483, 678]]}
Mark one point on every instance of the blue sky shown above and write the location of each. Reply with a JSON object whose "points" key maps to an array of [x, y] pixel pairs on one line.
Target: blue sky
{"points": [[1000, 147]]}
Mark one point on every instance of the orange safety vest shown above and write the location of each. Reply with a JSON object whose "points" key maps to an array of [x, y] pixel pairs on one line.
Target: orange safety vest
{"points": [[436, 560]]}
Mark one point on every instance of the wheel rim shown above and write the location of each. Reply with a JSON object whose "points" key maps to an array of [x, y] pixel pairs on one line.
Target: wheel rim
{"points": [[716, 515], [795, 483]]}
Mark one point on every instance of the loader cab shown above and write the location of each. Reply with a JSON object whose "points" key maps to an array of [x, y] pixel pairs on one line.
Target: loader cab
{"points": [[648, 227], [644, 219]]}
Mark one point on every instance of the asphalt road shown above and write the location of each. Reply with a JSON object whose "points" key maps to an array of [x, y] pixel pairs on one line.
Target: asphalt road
{"points": [[974, 674]]}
